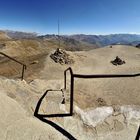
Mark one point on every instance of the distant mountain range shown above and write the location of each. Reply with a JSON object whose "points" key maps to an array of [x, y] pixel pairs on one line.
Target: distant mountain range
{"points": [[20, 35], [102, 40], [67, 42], [81, 39]]}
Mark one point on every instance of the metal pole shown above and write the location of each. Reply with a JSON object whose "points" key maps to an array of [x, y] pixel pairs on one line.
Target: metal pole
{"points": [[138, 134], [58, 33], [23, 68], [65, 78], [71, 97]]}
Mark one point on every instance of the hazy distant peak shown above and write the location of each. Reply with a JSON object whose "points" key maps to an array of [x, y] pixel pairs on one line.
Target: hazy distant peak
{"points": [[20, 34], [3, 36]]}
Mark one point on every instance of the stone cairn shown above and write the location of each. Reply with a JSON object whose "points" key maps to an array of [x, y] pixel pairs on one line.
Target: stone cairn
{"points": [[138, 46], [60, 56], [117, 61]]}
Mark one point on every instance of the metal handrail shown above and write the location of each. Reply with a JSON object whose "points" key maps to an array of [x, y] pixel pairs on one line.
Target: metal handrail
{"points": [[64, 132], [106, 75], [87, 77], [23, 65]]}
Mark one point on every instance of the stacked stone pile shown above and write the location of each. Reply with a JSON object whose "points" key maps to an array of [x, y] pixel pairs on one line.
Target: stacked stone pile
{"points": [[117, 61], [60, 56]]}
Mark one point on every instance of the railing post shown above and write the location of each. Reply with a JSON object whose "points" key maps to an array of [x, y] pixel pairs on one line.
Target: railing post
{"points": [[138, 134], [71, 87], [23, 68], [65, 79], [71, 97]]}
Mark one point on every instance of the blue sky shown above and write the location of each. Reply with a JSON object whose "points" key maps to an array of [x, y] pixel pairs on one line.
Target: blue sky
{"points": [[76, 16]]}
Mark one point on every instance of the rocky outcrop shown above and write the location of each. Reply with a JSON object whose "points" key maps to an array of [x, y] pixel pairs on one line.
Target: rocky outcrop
{"points": [[117, 122]]}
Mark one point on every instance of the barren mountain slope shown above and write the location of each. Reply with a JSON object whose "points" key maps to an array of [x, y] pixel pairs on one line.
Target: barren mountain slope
{"points": [[104, 109], [30, 52]]}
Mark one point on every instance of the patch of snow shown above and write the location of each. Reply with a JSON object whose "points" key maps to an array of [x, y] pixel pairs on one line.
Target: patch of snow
{"points": [[95, 116], [63, 108], [131, 112]]}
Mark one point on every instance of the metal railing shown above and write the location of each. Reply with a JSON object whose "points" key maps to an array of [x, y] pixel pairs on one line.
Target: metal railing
{"points": [[60, 129], [23, 65], [73, 76]]}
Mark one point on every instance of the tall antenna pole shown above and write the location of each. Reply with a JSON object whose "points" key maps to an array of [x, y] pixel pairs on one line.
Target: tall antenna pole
{"points": [[59, 33]]}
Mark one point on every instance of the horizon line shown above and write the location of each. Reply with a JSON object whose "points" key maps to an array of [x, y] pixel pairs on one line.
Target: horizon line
{"points": [[69, 34]]}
